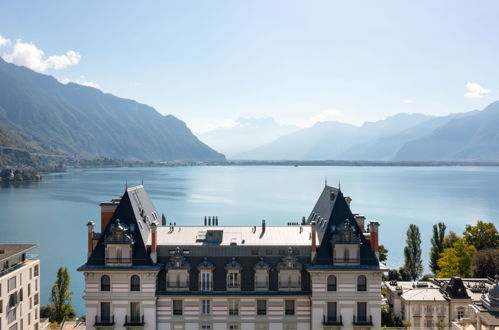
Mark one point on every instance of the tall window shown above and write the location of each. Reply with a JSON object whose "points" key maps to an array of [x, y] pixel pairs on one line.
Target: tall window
{"points": [[135, 312], [361, 283], [206, 281], [261, 307], [233, 281], [460, 313], [205, 307], [135, 283], [261, 280], [290, 307], [105, 283], [233, 307], [362, 311], [332, 311], [177, 307], [105, 311], [331, 283]]}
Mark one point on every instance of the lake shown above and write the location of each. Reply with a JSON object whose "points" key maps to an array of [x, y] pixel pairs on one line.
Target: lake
{"points": [[53, 213]]}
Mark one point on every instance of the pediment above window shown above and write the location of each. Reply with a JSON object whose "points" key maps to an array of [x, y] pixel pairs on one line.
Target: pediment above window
{"points": [[119, 234], [177, 261], [233, 265], [289, 262], [206, 265]]}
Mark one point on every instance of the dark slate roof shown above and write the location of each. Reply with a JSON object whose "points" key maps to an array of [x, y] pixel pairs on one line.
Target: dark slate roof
{"points": [[137, 212], [9, 250], [455, 289], [332, 210]]}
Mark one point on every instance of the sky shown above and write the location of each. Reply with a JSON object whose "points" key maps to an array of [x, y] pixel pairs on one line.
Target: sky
{"points": [[299, 62]]}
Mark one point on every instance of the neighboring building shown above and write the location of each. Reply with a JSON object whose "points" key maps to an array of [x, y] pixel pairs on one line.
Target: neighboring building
{"points": [[485, 312], [426, 304], [320, 273], [19, 288]]}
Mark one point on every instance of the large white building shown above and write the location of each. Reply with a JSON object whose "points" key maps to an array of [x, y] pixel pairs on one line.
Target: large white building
{"points": [[318, 273], [19, 288]]}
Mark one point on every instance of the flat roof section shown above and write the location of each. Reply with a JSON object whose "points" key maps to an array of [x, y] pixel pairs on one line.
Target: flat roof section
{"points": [[9, 250]]}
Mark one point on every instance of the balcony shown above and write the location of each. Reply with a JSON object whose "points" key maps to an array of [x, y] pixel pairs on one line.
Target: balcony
{"points": [[134, 321], [234, 286], [332, 320], [358, 320], [118, 261], [346, 261], [104, 321]]}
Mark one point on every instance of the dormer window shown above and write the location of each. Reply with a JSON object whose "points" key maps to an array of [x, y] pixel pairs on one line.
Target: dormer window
{"points": [[261, 275], [178, 271], [346, 245], [206, 269], [233, 269], [119, 245], [289, 272]]}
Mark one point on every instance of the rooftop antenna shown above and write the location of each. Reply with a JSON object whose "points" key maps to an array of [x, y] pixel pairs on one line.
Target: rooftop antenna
{"points": [[325, 181], [142, 180], [339, 185], [126, 184]]}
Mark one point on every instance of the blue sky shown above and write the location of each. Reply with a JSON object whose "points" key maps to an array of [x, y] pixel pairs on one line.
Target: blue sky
{"points": [[210, 62]]}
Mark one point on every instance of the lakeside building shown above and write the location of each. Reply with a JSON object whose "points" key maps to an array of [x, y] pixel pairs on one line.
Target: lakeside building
{"points": [[19, 288], [427, 304], [319, 273]]}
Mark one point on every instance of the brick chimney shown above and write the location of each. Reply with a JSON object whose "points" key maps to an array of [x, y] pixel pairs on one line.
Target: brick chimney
{"points": [[361, 221], [106, 212], [373, 229], [314, 240], [90, 242], [154, 242]]}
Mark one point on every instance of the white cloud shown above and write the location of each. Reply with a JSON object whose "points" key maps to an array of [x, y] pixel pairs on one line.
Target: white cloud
{"points": [[475, 90], [408, 101], [326, 115], [81, 81], [4, 42], [30, 56]]}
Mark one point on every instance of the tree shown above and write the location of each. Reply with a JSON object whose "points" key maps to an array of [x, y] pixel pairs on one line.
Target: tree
{"points": [[485, 263], [60, 296], [449, 240], [412, 253], [383, 253], [437, 245], [482, 235], [456, 261]]}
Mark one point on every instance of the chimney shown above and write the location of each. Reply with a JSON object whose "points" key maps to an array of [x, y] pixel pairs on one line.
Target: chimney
{"points": [[263, 225], [303, 221], [361, 221], [373, 229], [314, 241], [163, 220], [90, 243], [154, 242], [205, 221], [209, 221], [348, 200], [216, 221], [106, 212]]}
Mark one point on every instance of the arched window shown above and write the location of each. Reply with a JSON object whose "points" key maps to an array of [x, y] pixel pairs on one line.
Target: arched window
{"points": [[331, 283], [105, 283], [135, 283], [361, 283]]}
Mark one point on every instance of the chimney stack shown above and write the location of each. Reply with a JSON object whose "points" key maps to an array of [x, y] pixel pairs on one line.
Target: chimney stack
{"points": [[216, 221], [106, 212], [163, 220], [361, 221], [209, 221], [205, 221], [90, 243], [373, 229], [263, 225], [348, 200], [314, 241], [154, 242]]}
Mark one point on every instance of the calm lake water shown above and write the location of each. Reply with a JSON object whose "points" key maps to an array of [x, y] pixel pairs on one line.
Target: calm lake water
{"points": [[53, 213]]}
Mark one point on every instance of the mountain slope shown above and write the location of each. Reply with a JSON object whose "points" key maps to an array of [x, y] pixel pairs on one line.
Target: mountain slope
{"points": [[81, 120], [475, 137]]}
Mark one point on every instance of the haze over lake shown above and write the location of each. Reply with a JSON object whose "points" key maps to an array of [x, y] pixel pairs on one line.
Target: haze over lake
{"points": [[53, 213]]}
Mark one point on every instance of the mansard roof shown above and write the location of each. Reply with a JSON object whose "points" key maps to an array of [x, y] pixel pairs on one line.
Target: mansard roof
{"points": [[335, 224], [135, 212]]}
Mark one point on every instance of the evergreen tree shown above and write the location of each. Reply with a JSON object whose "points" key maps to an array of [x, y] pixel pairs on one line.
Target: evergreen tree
{"points": [[412, 253], [60, 296], [437, 245], [383, 253]]}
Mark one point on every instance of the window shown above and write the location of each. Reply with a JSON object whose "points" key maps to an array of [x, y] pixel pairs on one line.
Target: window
{"points": [[233, 281], [1, 307], [135, 312], [233, 307], [332, 311], [29, 289], [361, 283], [177, 307], [290, 307], [30, 274], [233, 326], [362, 311], [261, 280], [11, 284], [135, 283], [289, 279], [205, 306], [105, 283], [13, 299], [36, 270], [331, 283], [261, 307], [460, 313], [254, 252], [268, 251], [205, 326], [29, 318], [35, 299], [429, 323], [105, 311], [205, 281]]}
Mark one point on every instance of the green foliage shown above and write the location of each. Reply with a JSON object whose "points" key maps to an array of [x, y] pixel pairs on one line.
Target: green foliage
{"points": [[412, 252], [437, 245], [482, 235], [456, 261], [388, 320], [383, 253], [485, 263], [60, 297], [47, 311]]}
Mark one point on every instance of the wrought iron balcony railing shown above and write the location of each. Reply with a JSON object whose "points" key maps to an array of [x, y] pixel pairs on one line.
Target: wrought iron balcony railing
{"points": [[363, 320], [332, 320], [134, 320], [104, 320]]}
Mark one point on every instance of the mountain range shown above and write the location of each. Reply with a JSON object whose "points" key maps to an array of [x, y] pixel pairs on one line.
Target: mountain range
{"points": [[38, 113], [469, 136]]}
